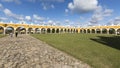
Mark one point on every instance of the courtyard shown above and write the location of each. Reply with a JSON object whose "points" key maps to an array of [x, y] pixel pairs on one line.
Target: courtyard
{"points": [[60, 50]]}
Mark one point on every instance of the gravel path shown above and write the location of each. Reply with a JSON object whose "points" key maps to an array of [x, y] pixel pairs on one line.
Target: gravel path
{"points": [[28, 52]]}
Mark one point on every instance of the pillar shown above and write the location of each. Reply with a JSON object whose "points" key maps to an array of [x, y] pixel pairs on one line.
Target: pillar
{"points": [[116, 31], [4, 31], [107, 31]]}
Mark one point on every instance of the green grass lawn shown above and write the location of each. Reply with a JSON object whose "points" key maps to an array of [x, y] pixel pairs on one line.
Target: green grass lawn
{"points": [[1, 35], [99, 51]]}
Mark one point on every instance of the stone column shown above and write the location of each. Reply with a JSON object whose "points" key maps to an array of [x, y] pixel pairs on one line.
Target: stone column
{"points": [[107, 31], [50, 30], [116, 31], [4, 31], [27, 31], [95, 31], [101, 31], [14, 30]]}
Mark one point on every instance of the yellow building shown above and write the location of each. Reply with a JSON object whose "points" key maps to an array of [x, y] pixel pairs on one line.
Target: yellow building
{"points": [[113, 29], [28, 29]]}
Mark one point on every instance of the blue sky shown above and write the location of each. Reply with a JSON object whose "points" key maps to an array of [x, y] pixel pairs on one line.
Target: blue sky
{"points": [[79, 13]]}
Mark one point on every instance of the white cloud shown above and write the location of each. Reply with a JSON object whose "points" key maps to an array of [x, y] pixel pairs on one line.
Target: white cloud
{"points": [[60, 1], [51, 0], [67, 21], [99, 14], [50, 22], [47, 6], [31, 0], [28, 18], [3, 18], [115, 21], [82, 18], [44, 7], [82, 6], [52, 6], [66, 10], [53, 22], [38, 18], [16, 1], [1, 6], [108, 12], [8, 13]]}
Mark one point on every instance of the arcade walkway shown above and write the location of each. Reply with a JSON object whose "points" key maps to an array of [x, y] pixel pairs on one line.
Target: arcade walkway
{"points": [[28, 52]]}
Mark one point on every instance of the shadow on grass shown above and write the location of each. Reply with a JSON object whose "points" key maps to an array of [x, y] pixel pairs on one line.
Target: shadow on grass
{"points": [[113, 41]]}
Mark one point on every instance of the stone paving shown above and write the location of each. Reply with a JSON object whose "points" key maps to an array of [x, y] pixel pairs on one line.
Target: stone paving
{"points": [[28, 52]]}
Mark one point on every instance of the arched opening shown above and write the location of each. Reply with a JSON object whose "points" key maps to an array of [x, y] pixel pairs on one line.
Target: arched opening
{"points": [[61, 31], [104, 31], [30, 30], [21, 30], [88, 30], [118, 31], [84, 30], [111, 31], [93, 31], [57, 30], [76, 30], [68, 30], [65, 30], [1, 30], [98, 31], [37, 30], [9, 30], [81, 31], [43, 30], [48, 30], [71, 31], [53, 30]]}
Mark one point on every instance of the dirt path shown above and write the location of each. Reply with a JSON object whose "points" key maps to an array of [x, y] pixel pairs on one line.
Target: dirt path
{"points": [[28, 52]]}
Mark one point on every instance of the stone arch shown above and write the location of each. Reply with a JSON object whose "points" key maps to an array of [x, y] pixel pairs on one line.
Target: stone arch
{"points": [[93, 30], [81, 30], [88, 30], [48, 30], [1, 30], [104, 31], [68, 30], [71, 31], [118, 31], [76, 31], [57, 30], [61, 30], [84, 31], [21, 30], [111, 31], [53, 30], [37, 30], [65, 30], [30, 30], [43, 30], [98, 31], [9, 30]]}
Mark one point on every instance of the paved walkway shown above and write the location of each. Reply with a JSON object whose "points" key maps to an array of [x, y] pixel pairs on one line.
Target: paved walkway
{"points": [[28, 52]]}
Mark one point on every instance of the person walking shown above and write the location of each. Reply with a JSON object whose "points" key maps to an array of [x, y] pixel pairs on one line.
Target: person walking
{"points": [[16, 34]]}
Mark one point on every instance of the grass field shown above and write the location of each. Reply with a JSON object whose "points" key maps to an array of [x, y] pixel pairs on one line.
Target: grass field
{"points": [[99, 51], [1, 35]]}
